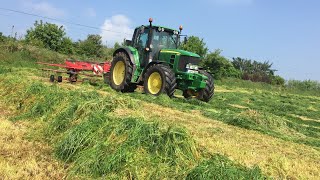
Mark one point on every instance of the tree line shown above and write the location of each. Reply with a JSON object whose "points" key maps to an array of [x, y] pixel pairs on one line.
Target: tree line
{"points": [[53, 37], [237, 67]]}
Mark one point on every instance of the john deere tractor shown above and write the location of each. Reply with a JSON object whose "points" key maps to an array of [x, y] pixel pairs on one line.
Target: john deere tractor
{"points": [[152, 59]]}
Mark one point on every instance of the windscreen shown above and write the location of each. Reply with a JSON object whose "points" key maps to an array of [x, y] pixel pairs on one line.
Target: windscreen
{"points": [[164, 39]]}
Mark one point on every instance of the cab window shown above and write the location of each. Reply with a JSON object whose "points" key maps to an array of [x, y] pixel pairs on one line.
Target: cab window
{"points": [[142, 39]]}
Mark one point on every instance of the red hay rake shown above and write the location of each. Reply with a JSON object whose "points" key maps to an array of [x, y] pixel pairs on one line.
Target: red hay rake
{"points": [[75, 68]]}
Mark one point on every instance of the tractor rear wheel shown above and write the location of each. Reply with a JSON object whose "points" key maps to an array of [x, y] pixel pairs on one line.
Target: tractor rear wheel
{"points": [[160, 79], [206, 93], [121, 72]]}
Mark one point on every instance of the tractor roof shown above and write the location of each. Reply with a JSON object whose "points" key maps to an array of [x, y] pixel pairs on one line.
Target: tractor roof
{"points": [[159, 26]]}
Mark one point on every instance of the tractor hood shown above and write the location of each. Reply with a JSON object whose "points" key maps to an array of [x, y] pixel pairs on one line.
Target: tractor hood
{"points": [[179, 52]]}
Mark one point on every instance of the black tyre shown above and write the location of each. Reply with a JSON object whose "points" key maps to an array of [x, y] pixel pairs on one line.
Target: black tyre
{"points": [[59, 79], [207, 93], [160, 79], [51, 78], [121, 72]]}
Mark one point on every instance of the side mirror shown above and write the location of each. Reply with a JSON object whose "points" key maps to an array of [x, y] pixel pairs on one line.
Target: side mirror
{"points": [[128, 43], [185, 40]]}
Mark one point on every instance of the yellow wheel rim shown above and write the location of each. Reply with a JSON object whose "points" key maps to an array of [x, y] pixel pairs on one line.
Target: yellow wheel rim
{"points": [[118, 73], [154, 83]]}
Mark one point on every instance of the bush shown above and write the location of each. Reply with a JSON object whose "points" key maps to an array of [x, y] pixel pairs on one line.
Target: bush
{"points": [[91, 47], [2, 37], [46, 35], [195, 45], [12, 46], [257, 77], [66, 46], [50, 36], [308, 85], [219, 66], [257, 71], [277, 80]]}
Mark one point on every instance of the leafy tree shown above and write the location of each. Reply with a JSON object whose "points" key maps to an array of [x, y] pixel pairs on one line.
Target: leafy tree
{"points": [[219, 66], [67, 46], [108, 53], [91, 47], [2, 37], [196, 45], [47, 35], [116, 45], [249, 66], [257, 71], [277, 80]]}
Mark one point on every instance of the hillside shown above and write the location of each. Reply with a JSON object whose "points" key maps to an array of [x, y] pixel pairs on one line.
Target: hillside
{"points": [[248, 130]]}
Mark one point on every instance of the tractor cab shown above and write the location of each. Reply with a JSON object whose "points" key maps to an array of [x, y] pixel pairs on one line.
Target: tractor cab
{"points": [[149, 40]]}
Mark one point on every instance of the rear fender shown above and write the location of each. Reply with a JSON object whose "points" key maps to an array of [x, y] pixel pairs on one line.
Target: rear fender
{"points": [[128, 52], [133, 55]]}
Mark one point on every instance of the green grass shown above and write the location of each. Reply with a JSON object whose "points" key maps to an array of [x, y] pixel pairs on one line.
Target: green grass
{"points": [[95, 144], [219, 167], [292, 86], [81, 126], [274, 113]]}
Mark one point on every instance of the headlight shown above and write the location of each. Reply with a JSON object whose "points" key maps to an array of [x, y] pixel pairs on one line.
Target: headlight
{"points": [[195, 67], [191, 71], [192, 66]]}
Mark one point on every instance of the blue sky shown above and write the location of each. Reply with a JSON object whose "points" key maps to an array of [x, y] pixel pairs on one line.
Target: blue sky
{"points": [[285, 32]]}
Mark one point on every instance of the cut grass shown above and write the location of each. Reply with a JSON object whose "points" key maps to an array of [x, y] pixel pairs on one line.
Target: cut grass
{"points": [[126, 145], [96, 144], [276, 158], [87, 125], [273, 112], [22, 157], [219, 167]]}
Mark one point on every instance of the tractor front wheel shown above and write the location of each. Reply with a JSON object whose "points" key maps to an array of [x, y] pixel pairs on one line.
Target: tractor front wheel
{"points": [[160, 79], [121, 73], [206, 93]]}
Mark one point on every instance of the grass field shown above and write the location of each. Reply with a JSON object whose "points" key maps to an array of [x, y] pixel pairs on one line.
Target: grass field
{"points": [[21, 156], [248, 131]]}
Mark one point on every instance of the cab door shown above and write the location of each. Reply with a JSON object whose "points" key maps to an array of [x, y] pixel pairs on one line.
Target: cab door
{"points": [[141, 44]]}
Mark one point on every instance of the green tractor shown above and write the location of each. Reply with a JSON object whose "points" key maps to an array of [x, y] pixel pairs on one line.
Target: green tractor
{"points": [[152, 59]]}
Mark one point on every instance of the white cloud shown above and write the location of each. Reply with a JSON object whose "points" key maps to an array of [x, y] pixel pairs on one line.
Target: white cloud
{"points": [[43, 8], [90, 12], [115, 29], [232, 2]]}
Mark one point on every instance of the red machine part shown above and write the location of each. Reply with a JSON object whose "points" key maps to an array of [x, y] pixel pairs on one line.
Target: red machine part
{"points": [[106, 67], [79, 65], [76, 66]]}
